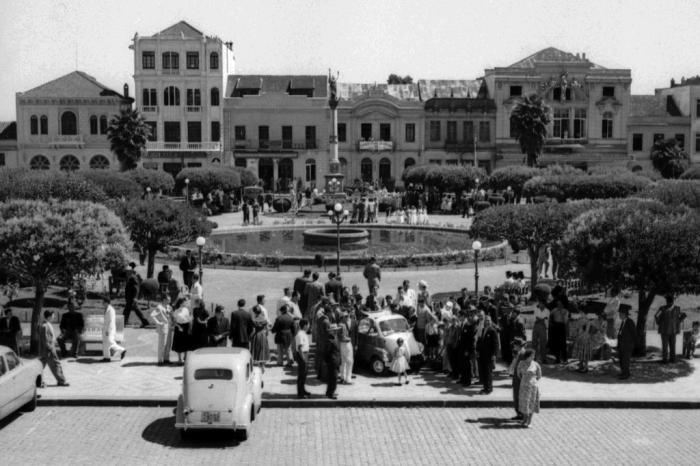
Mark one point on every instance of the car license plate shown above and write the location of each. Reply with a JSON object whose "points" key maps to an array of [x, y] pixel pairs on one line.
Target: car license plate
{"points": [[210, 416]]}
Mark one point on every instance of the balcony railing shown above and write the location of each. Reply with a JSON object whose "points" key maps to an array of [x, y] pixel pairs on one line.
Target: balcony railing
{"points": [[74, 140], [193, 108], [183, 146], [149, 109], [560, 141], [275, 145], [375, 146]]}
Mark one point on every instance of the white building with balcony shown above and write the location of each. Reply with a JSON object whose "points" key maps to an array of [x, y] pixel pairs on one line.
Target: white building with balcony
{"points": [[180, 75], [62, 124]]}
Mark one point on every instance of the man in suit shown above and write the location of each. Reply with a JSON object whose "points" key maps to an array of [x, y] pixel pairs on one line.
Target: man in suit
{"points": [[331, 357], [373, 274], [241, 326], [334, 287], [283, 329], [218, 327], [164, 277], [314, 292], [47, 349], [131, 292], [668, 319], [188, 265], [300, 287], [72, 326], [511, 327], [626, 338], [11, 331], [486, 348], [467, 348]]}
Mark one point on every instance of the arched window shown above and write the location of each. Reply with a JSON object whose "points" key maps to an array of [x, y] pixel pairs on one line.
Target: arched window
{"points": [[99, 162], [69, 163], [44, 126], [214, 96], [33, 125], [69, 123], [384, 170], [366, 170], [607, 125], [93, 124], [310, 170], [214, 61], [39, 162], [103, 124], [409, 163], [171, 96]]}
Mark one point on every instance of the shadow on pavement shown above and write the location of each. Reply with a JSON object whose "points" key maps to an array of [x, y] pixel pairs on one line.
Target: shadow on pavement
{"points": [[606, 372], [163, 432], [9, 419], [93, 361], [495, 423]]}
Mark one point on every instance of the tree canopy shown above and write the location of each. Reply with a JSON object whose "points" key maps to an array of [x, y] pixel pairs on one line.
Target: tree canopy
{"points": [[668, 158], [529, 119], [396, 79], [116, 185], [445, 177], [45, 185], [157, 180], [128, 133]]}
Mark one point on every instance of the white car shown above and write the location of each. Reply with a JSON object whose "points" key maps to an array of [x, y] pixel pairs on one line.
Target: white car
{"points": [[19, 380], [221, 389]]}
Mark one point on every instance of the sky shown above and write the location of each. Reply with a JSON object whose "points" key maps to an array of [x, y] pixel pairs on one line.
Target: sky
{"points": [[365, 40]]}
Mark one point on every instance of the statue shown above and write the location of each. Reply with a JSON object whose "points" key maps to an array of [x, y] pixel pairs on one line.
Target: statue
{"points": [[333, 86]]}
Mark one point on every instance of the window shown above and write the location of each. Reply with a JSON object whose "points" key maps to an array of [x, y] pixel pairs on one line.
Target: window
{"points": [[434, 131], [451, 131], [468, 131], [385, 132], [680, 139], [33, 125], [637, 142], [608, 91], [194, 131], [150, 98], [93, 124], [384, 170], [560, 123], [513, 131], [607, 126], [99, 162], [194, 98], [484, 131], [659, 137], [556, 93], [213, 61], [69, 123], [103, 124], [239, 133], [154, 130], [366, 170], [516, 91], [12, 361], [287, 137], [192, 60], [310, 170], [69, 163], [171, 61], [214, 97], [580, 123], [410, 132], [148, 60], [310, 137], [697, 108], [44, 124], [697, 142], [2, 159], [264, 137], [39, 162], [366, 131], [343, 167], [171, 130], [171, 96], [215, 131], [213, 374], [342, 132]]}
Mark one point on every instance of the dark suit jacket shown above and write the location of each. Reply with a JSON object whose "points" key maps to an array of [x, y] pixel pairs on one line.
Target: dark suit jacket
{"points": [[373, 274], [626, 336], [241, 327], [72, 322], [487, 343], [283, 329], [332, 355], [300, 285], [334, 287], [314, 292], [188, 265], [164, 276], [669, 320], [10, 327], [215, 329], [467, 339]]}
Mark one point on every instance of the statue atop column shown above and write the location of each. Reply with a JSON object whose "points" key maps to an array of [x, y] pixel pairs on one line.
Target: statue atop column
{"points": [[333, 87]]}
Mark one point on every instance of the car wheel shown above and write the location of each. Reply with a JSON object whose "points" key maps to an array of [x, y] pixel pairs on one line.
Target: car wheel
{"points": [[31, 405], [378, 366], [242, 434]]}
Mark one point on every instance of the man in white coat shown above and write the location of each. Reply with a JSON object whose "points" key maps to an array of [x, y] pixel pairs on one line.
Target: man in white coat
{"points": [[161, 316], [109, 333]]}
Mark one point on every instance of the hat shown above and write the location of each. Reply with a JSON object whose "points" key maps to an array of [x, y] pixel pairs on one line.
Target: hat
{"points": [[218, 308], [624, 310], [132, 265], [423, 283]]}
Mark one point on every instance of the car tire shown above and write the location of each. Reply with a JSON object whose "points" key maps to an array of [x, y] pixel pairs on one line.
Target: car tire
{"points": [[31, 404], [242, 434], [378, 366]]}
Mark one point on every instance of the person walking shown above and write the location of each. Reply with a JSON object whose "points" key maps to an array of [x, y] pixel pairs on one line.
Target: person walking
{"points": [[530, 373], [131, 292], [161, 317], [332, 359], [626, 338], [668, 319], [283, 329], [109, 333], [218, 327], [539, 332], [373, 274], [399, 364], [188, 265], [558, 326], [487, 348], [72, 326], [241, 326], [301, 356], [47, 349]]}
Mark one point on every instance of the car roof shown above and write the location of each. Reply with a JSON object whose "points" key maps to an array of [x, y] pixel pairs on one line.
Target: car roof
{"points": [[217, 356], [5, 349]]}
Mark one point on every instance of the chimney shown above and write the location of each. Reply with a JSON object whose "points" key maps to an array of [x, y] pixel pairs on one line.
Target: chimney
{"points": [[126, 90]]}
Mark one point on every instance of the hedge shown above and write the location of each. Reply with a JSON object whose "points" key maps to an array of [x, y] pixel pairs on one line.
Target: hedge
{"points": [[514, 176], [563, 187], [207, 179], [675, 192], [692, 173], [45, 185], [154, 179], [248, 178], [116, 185], [445, 177]]}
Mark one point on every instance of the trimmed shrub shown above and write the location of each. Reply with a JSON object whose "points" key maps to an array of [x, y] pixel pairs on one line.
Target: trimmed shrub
{"points": [[154, 179], [563, 187], [115, 184], [248, 178], [445, 177], [207, 179], [514, 176], [675, 192], [45, 185], [556, 170], [692, 173], [415, 174], [669, 159]]}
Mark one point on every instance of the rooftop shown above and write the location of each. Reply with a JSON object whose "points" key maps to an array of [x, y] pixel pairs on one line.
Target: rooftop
{"points": [[8, 130], [405, 92], [653, 106], [255, 84], [72, 85], [553, 55]]}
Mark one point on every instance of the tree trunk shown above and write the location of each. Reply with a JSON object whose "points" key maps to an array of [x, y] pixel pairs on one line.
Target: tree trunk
{"points": [[644, 303], [534, 273], [39, 292], [150, 269]]}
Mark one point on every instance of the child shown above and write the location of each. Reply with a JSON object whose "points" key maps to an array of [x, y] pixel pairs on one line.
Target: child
{"points": [[690, 340], [400, 363]]}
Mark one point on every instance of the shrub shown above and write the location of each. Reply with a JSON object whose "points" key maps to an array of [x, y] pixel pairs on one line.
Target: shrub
{"points": [[207, 179], [668, 158], [563, 187], [45, 185], [514, 176], [675, 192], [692, 173], [561, 170], [154, 179], [115, 184], [248, 178], [415, 174]]}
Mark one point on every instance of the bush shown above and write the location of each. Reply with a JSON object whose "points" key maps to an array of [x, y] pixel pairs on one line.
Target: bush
{"points": [[555, 170], [692, 173], [563, 187], [248, 178], [207, 179], [415, 174], [675, 192], [115, 184], [45, 185], [154, 179], [514, 176], [444, 177], [669, 159]]}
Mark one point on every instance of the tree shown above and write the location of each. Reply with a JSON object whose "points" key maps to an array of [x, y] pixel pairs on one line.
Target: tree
{"points": [[668, 158], [42, 185], [128, 134], [514, 176], [530, 118], [396, 79], [207, 179], [155, 179], [248, 178], [156, 224], [116, 185], [643, 244], [46, 243], [675, 192]]}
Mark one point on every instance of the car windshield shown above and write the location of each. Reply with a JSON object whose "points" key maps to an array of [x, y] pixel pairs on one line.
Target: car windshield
{"points": [[390, 326], [213, 374]]}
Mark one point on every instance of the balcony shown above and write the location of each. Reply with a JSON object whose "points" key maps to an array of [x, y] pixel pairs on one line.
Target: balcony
{"points": [[183, 146], [149, 109], [193, 108], [275, 145], [66, 141], [375, 146], [565, 141]]}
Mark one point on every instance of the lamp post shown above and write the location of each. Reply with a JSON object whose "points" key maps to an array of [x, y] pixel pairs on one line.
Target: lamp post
{"points": [[333, 185], [476, 161], [476, 247], [200, 244], [187, 192], [338, 216]]}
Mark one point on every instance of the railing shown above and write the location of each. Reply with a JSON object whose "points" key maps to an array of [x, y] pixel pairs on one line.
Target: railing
{"points": [[149, 108], [73, 140], [559, 141], [193, 108], [375, 146], [183, 146]]}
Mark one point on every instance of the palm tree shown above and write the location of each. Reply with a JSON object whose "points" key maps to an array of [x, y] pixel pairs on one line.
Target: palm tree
{"points": [[668, 158], [529, 120], [128, 134]]}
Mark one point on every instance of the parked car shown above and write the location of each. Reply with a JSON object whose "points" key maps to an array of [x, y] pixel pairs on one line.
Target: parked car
{"points": [[377, 334], [19, 380], [221, 389]]}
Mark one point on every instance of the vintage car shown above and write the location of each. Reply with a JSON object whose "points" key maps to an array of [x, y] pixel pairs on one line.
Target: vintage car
{"points": [[19, 380], [221, 389], [376, 340]]}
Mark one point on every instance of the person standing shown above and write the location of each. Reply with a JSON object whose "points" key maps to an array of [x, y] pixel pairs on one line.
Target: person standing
{"points": [[300, 287], [246, 213], [161, 316], [519, 356], [260, 303], [259, 347], [529, 396], [164, 277], [331, 357], [511, 328], [399, 364], [241, 326], [72, 326], [467, 349], [182, 320], [373, 274], [611, 309], [188, 265], [109, 333], [626, 338], [196, 291], [301, 355], [346, 348], [199, 334], [11, 331], [334, 287], [539, 332], [47, 349], [487, 347], [218, 327], [321, 332], [558, 324], [314, 292], [668, 319], [283, 329], [131, 292]]}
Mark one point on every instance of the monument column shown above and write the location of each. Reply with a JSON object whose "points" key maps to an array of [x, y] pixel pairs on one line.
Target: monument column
{"points": [[334, 163]]}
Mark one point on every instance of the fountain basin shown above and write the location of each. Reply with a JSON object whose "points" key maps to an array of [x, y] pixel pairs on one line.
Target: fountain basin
{"points": [[350, 238]]}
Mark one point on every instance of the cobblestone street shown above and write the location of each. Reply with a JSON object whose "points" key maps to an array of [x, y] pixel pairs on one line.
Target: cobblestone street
{"points": [[351, 436]]}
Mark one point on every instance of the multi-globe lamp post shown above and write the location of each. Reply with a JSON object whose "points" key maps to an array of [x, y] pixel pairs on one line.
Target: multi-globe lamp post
{"points": [[200, 244], [187, 192], [476, 247], [338, 216]]}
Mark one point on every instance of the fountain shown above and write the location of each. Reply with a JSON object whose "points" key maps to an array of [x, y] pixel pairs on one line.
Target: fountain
{"points": [[327, 238]]}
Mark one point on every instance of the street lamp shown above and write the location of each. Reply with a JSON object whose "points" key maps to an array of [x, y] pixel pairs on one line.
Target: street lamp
{"points": [[187, 192], [200, 244], [476, 247], [333, 185], [476, 161], [338, 216]]}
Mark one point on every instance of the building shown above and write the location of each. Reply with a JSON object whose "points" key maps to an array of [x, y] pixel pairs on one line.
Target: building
{"points": [[590, 106], [63, 124], [654, 117], [686, 97], [8, 144], [179, 76]]}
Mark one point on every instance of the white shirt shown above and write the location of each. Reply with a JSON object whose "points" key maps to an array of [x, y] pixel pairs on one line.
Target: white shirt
{"points": [[264, 312], [197, 291], [409, 298], [160, 315], [612, 308], [301, 339], [296, 312], [541, 313]]}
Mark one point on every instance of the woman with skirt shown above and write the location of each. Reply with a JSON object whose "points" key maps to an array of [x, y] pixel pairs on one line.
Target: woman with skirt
{"points": [[259, 347], [530, 373], [200, 336], [181, 333]]}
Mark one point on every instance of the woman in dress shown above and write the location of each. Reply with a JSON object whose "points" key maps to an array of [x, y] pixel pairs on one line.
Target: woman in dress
{"points": [[181, 331], [530, 373], [582, 346], [400, 363], [259, 346], [200, 336], [414, 216]]}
